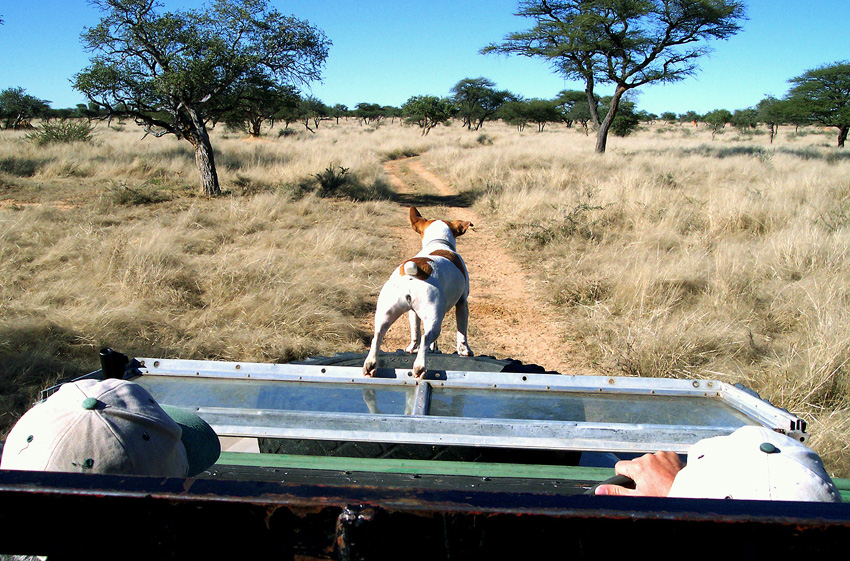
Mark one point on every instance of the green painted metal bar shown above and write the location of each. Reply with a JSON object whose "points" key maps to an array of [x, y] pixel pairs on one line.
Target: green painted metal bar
{"points": [[417, 467], [430, 467]]}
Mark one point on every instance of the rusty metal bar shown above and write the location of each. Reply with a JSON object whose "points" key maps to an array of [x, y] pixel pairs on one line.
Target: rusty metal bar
{"points": [[74, 515]]}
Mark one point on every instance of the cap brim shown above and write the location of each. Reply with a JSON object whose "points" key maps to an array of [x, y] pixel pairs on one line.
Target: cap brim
{"points": [[200, 440]]}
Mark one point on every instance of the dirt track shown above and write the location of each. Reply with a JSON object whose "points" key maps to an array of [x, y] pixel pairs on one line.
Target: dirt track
{"points": [[505, 319]]}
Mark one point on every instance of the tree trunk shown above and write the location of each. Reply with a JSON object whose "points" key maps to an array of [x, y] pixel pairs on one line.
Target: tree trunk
{"points": [[204, 158], [591, 100], [205, 161], [255, 126], [842, 135], [605, 125]]}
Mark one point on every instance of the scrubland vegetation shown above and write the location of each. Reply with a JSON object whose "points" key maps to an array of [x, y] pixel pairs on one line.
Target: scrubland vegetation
{"points": [[672, 255]]}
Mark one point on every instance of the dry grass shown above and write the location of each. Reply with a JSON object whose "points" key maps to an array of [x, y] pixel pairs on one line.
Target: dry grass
{"points": [[672, 255], [676, 256]]}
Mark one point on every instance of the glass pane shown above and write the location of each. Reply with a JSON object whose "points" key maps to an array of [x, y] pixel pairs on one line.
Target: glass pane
{"points": [[279, 396], [585, 407]]}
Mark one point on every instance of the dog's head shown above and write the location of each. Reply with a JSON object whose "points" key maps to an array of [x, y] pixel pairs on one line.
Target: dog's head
{"points": [[430, 230]]}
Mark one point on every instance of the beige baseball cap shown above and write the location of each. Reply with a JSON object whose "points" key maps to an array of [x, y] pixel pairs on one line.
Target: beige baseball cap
{"points": [[110, 426], [754, 463]]}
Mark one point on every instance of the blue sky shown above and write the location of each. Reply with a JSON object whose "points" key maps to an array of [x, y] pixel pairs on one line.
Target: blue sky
{"points": [[386, 51]]}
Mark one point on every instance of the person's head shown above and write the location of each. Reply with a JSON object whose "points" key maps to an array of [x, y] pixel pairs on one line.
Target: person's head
{"points": [[112, 427], [754, 463]]}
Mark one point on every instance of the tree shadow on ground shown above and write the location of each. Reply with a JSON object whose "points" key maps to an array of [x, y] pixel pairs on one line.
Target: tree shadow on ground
{"points": [[462, 200]]}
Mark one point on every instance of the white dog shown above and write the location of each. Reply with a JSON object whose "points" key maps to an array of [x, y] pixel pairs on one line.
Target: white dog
{"points": [[426, 286]]}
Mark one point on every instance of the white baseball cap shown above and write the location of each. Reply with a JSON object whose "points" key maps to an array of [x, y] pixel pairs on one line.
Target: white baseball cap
{"points": [[110, 426], [754, 463]]}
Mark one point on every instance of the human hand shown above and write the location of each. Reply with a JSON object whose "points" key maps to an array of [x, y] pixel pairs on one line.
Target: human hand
{"points": [[653, 475]]}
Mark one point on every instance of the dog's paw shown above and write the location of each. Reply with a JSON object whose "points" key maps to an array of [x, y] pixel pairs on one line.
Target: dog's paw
{"points": [[419, 371], [464, 350], [433, 347], [370, 368], [412, 347]]}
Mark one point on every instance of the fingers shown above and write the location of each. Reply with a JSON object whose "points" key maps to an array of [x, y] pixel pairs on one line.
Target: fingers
{"points": [[629, 468], [616, 490], [653, 475]]}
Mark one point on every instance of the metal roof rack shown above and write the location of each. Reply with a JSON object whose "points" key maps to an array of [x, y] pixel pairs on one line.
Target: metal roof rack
{"points": [[493, 409]]}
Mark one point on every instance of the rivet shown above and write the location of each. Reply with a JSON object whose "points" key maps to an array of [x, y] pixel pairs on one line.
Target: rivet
{"points": [[768, 448]]}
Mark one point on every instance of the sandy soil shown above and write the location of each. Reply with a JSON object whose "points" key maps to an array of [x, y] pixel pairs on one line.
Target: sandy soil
{"points": [[506, 321]]}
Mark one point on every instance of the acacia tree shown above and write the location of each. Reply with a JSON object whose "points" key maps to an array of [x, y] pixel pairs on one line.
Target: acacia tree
{"points": [[628, 43], [542, 111], [257, 101], [313, 110], [427, 111], [822, 95], [717, 119], [574, 108], [477, 100], [18, 108], [176, 72], [745, 119], [515, 114]]}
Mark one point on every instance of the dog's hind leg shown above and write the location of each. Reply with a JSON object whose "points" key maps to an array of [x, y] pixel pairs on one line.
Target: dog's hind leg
{"points": [[415, 332], [383, 321], [462, 318], [430, 333]]}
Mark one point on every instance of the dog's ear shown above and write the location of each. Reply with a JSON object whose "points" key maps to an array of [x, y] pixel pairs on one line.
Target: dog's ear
{"points": [[417, 222], [459, 227]]}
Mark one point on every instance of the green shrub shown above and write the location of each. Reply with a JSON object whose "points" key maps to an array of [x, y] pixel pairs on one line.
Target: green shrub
{"points": [[20, 167], [401, 153], [331, 180], [124, 195], [62, 131]]}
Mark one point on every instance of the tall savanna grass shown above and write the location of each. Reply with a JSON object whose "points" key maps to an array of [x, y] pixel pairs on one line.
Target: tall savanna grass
{"points": [[676, 256], [672, 255]]}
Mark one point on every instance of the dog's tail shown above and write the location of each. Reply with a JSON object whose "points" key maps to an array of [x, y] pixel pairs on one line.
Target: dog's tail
{"points": [[417, 267], [410, 268]]}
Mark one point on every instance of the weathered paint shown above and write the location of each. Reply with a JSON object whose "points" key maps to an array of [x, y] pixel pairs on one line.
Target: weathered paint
{"points": [[46, 513]]}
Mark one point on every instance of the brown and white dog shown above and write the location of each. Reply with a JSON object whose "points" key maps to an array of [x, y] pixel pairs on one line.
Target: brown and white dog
{"points": [[426, 286]]}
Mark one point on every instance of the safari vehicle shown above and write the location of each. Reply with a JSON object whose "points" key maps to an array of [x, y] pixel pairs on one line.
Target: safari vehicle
{"points": [[483, 458]]}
